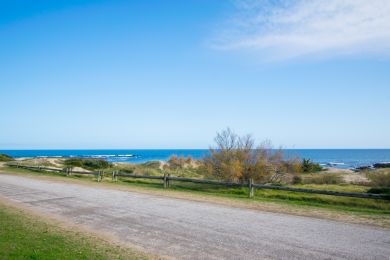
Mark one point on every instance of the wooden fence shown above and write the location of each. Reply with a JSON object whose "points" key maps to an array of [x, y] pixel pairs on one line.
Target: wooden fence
{"points": [[167, 179]]}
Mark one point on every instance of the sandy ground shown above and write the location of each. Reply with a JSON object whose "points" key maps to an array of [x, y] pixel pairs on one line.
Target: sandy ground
{"points": [[337, 170], [47, 161], [355, 178], [196, 230], [349, 175]]}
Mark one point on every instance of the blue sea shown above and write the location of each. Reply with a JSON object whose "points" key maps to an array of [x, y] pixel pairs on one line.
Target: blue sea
{"points": [[340, 158]]}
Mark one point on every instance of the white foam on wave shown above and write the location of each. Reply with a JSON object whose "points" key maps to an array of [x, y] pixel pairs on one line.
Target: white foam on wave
{"points": [[49, 156], [336, 163], [105, 156]]}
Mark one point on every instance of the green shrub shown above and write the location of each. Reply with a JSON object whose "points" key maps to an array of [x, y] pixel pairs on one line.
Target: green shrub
{"points": [[95, 163], [74, 162], [379, 178], [308, 166], [87, 163], [5, 158], [324, 179]]}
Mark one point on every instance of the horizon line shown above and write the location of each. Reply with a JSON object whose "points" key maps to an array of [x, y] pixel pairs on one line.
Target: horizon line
{"points": [[94, 149]]}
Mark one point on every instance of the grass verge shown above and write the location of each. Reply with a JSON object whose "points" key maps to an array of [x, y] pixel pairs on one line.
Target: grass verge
{"points": [[25, 236]]}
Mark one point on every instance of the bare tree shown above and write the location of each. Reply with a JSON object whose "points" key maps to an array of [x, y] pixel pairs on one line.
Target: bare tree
{"points": [[236, 158]]}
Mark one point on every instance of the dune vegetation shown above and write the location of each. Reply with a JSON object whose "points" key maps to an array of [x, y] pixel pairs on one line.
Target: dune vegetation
{"points": [[5, 158]]}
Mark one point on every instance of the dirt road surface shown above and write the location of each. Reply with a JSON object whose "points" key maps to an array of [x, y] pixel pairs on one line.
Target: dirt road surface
{"points": [[186, 229]]}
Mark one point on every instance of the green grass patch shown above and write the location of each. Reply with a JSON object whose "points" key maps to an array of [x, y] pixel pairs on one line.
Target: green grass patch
{"points": [[87, 163], [25, 237]]}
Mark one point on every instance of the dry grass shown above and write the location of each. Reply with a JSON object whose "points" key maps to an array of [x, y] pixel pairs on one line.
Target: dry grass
{"points": [[379, 178]]}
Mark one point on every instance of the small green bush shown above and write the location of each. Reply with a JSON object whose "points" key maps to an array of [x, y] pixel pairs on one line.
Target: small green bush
{"points": [[95, 163], [308, 166], [324, 179], [73, 162], [5, 158], [87, 163]]}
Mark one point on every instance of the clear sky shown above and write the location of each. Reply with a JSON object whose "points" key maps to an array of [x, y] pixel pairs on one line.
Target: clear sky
{"points": [[170, 74]]}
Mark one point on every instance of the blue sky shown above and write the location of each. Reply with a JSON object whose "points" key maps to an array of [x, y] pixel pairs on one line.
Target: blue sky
{"points": [[170, 74]]}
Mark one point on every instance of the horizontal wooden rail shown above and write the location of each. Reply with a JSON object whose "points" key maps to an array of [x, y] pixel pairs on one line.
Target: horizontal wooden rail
{"points": [[80, 172], [139, 176], [167, 178], [50, 169], [205, 181], [68, 171]]}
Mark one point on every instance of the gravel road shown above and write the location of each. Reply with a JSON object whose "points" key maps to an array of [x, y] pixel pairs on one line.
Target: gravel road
{"points": [[196, 230]]}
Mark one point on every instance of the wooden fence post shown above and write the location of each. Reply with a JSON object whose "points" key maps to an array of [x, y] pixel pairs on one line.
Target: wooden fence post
{"points": [[168, 181], [165, 181], [113, 175], [250, 188]]}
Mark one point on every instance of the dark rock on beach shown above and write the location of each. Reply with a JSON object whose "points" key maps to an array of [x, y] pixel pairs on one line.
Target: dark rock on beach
{"points": [[363, 168], [382, 165]]}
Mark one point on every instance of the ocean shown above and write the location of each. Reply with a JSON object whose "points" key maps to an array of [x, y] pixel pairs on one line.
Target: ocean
{"points": [[340, 158]]}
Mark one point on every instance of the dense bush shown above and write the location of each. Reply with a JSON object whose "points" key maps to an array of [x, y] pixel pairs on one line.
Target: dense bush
{"points": [[74, 162], [5, 158], [87, 163], [237, 158], [309, 166], [379, 178], [324, 179], [177, 163]]}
